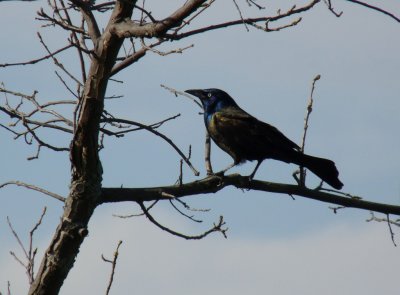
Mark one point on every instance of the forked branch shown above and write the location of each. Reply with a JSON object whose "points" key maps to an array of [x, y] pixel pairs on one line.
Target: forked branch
{"points": [[29, 252], [218, 227]]}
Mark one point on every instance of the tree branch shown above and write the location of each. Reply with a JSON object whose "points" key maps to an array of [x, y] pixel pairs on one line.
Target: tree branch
{"points": [[30, 254], [128, 61], [214, 184], [35, 188], [128, 28], [216, 228], [34, 61], [375, 8], [249, 21], [93, 29], [113, 265]]}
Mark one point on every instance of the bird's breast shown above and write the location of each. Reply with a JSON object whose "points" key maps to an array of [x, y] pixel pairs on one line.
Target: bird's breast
{"points": [[213, 127], [218, 132], [208, 119]]}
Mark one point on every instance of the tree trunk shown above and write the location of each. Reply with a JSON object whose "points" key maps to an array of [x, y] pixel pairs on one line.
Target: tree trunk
{"points": [[86, 180]]}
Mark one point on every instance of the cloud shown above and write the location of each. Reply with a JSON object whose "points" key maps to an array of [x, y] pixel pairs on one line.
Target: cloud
{"points": [[340, 259]]}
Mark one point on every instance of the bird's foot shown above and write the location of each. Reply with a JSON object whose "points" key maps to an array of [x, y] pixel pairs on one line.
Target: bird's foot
{"points": [[251, 176], [219, 173]]}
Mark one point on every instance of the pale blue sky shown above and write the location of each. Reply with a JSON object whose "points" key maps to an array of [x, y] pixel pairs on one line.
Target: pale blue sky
{"points": [[355, 122]]}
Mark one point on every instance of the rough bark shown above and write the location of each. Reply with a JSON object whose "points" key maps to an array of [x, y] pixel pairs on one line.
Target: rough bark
{"points": [[86, 180]]}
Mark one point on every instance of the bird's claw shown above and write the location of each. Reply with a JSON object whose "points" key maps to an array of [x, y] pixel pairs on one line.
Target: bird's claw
{"points": [[220, 173], [251, 176]]}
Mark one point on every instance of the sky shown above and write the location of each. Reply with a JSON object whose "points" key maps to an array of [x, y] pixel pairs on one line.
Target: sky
{"points": [[275, 244]]}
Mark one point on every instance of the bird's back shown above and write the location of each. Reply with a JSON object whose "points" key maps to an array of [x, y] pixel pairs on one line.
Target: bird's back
{"points": [[246, 138]]}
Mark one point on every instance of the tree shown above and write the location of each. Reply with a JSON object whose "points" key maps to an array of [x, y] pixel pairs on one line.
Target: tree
{"points": [[103, 51]]}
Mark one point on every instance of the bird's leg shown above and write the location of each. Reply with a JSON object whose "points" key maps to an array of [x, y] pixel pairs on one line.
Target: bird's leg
{"points": [[208, 154], [222, 172], [255, 170]]}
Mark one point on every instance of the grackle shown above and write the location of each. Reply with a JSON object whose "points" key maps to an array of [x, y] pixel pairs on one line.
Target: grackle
{"points": [[245, 138]]}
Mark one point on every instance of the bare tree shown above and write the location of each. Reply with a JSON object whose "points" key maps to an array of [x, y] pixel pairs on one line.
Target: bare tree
{"points": [[102, 52]]}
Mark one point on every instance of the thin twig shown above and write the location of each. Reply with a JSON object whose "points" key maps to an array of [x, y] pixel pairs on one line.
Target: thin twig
{"points": [[376, 8], [389, 223], [56, 62], [336, 209], [216, 228], [165, 53], [61, 22], [35, 188], [66, 85], [34, 61], [267, 28], [128, 129], [306, 121], [252, 2], [193, 16], [41, 142], [29, 254], [309, 110], [123, 121], [390, 229], [240, 15], [180, 177], [32, 252], [330, 7], [18, 240], [178, 92], [250, 21], [191, 217], [187, 207], [75, 40], [113, 265], [137, 214]]}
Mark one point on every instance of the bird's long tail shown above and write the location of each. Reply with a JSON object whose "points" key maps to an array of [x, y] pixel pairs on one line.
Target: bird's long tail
{"points": [[323, 168]]}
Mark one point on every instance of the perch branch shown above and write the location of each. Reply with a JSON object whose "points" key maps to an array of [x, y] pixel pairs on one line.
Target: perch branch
{"points": [[213, 184]]}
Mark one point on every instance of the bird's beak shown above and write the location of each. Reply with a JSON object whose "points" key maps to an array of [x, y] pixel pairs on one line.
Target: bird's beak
{"points": [[197, 92]]}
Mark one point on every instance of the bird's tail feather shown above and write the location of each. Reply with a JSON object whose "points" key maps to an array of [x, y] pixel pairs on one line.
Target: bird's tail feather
{"points": [[323, 168]]}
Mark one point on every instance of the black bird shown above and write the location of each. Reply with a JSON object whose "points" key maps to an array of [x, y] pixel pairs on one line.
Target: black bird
{"points": [[245, 138]]}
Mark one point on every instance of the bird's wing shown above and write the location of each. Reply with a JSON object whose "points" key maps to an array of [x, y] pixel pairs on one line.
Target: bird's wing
{"points": [[253, 138]]}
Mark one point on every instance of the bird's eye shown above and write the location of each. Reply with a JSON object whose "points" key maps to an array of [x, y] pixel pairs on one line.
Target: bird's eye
{"points": [[209, 95]]}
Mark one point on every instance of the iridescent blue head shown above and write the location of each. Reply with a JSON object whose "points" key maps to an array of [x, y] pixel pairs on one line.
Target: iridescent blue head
{"points": [[213, 100]]}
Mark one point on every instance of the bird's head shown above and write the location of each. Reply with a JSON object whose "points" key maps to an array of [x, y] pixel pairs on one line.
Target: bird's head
{"points": [[212, 99]]}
